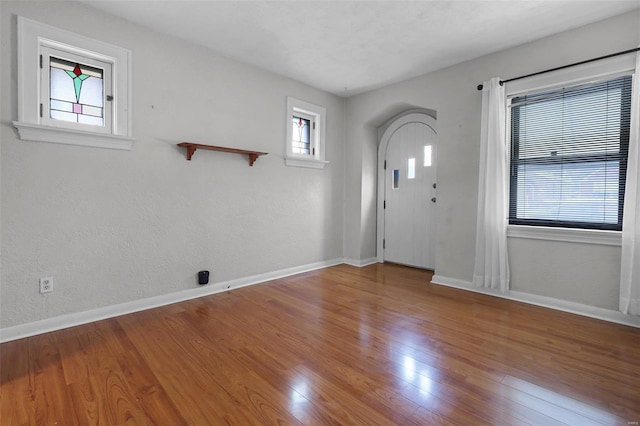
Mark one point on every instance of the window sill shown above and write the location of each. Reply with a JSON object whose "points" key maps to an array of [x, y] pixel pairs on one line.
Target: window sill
{"points": [[584, 236], [40, 133], [304, 162]]}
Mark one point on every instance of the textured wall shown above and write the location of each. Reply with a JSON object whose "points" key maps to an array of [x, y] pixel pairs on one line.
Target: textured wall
{"points": [[116, 226], [583, 273]]}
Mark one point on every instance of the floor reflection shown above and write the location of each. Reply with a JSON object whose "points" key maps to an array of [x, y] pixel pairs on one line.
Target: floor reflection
{"points": [[416, 376], [298, 397], [554, 404]]}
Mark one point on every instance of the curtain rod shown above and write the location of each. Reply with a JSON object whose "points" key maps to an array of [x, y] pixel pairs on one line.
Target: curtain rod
{"points": [[480, 86]]}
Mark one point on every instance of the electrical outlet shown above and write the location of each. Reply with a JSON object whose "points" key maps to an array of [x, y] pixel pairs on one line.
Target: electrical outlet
{"points": [[46, 285]]}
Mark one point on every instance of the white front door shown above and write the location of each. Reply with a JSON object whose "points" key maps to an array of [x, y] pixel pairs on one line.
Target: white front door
{"points": [[410, 196]]}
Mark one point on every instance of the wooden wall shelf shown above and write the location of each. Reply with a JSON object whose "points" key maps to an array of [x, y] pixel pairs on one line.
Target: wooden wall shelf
{"points": [[192, 147]]}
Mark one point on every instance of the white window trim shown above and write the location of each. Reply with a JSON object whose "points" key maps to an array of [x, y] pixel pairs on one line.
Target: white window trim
{"points": [[593, 71], [573, 235], [32, 36], [316, 161]]}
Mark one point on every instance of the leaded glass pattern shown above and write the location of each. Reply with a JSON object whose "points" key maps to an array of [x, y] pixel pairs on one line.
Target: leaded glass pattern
{"points": [[301, 143], [76, 92]]}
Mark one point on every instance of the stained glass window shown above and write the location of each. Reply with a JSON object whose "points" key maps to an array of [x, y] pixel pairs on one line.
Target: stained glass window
{"points": [[301, 135], [305, 125], [76, 92]]}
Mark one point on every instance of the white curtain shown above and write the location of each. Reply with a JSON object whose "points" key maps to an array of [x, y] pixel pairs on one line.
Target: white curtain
{"points": [[491, 266], [630, 267]]}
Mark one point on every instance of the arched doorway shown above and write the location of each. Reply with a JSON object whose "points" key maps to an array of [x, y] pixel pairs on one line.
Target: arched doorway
{"points": [[407, 191]]}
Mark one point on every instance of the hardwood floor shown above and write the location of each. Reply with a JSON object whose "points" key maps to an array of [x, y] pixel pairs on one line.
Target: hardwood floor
{"points": [[343, 345]]}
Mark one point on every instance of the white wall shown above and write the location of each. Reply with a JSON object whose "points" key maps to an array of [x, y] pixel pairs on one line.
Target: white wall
{"points": [[117, 226], [577, 272], [114, 226]]}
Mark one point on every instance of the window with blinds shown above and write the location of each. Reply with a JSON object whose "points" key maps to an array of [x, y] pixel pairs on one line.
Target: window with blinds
{"points": [[569, 155]]}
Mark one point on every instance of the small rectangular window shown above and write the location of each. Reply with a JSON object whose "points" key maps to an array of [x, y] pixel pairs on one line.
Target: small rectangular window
{"points": [[301, 135], [411, 168], [73, 89], [427, 156], [305, 134], [396, 179], [76, 92], [569, 151]]}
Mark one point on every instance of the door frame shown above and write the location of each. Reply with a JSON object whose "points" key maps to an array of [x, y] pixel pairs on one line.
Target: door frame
{"points": [[413, 117]]}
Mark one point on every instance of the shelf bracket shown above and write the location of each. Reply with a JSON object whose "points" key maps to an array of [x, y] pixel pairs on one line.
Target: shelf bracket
{"points": [[191, 149]]}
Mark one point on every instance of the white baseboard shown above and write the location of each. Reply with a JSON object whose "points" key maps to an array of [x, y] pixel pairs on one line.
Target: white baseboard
{"points": [[70, 320], [544, 301], [360, 263]]}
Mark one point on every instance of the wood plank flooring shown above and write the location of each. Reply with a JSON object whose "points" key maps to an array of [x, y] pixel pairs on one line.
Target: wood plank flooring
{"points": [[356, 346]]}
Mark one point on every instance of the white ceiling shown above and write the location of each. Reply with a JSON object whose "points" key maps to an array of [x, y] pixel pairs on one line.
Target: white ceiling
{"points": [[348, 47]]}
